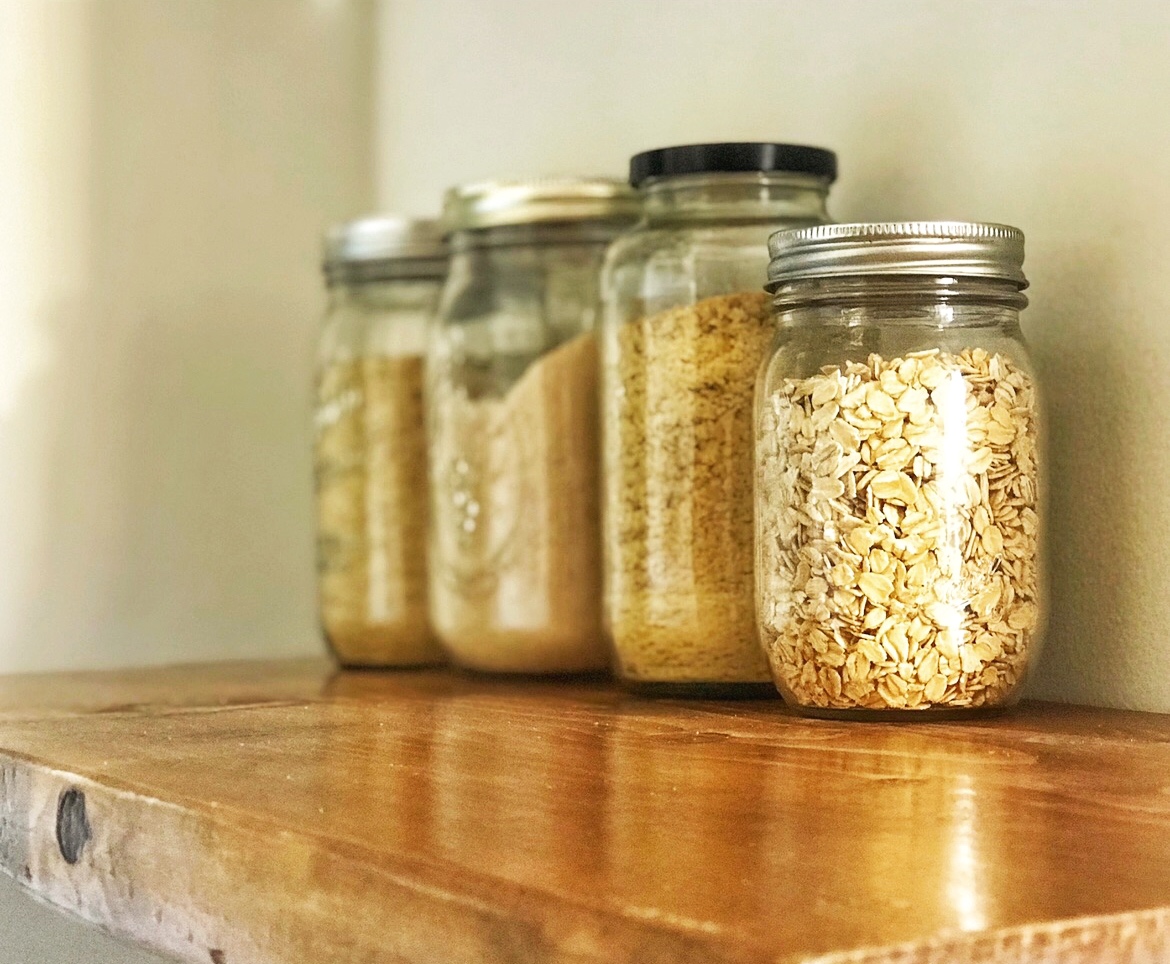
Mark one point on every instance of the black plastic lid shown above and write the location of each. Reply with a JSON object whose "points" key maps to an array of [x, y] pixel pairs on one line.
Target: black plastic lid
{"points": [[746, 156]]}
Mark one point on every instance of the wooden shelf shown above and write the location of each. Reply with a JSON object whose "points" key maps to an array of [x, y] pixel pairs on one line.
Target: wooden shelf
{"points": [[286, 814]]}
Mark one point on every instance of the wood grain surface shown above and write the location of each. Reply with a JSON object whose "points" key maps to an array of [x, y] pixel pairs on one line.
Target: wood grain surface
{"points": [[286, 814]]}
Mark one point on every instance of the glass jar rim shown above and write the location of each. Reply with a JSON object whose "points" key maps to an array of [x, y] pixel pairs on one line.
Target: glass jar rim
{"points": [[542, 234], [355, 273]]}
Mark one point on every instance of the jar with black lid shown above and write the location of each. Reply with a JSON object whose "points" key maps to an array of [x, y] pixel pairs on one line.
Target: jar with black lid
{"points": [[384, 275], [899, 521], [685, 327]]}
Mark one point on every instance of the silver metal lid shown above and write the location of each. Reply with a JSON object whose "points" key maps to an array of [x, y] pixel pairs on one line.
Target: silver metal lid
{"points": [[384, 238], [491, 204], [964, 249]]}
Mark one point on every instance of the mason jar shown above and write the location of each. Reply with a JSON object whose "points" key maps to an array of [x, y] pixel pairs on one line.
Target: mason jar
{"points": [[515, 580], [686, 326], [384, 276], [898, 475]]}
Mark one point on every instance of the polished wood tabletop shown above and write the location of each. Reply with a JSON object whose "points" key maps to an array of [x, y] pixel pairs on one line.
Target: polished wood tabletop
{"points": [[285, 813]]}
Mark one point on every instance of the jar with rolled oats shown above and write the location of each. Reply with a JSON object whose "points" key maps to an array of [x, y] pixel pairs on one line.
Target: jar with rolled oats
{"points": [[898, 479]]}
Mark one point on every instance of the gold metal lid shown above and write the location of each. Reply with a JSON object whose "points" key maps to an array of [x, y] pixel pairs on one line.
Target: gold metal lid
{"points": [[384, 238], [491, 204], [381, 247]]}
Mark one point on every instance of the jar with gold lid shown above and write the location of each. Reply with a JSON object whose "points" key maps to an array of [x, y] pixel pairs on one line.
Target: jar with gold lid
{"points": [[515, 580]]}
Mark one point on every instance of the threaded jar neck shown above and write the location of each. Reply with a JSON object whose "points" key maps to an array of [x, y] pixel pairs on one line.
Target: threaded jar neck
{"points": [[534, 236], [748, 196], [888, 294]]}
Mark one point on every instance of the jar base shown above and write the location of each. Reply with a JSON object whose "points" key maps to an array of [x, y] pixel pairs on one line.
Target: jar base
{"points": [[382, 646], [934, 714], [699, 690]]}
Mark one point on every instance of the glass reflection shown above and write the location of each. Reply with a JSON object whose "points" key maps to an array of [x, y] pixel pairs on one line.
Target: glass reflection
{"points": [[521, 794], [963, 887], [377, 761]]}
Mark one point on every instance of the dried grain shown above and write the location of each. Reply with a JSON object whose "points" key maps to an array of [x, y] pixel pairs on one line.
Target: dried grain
{"points": [[371, 485], [898, 532], [678, 436]]}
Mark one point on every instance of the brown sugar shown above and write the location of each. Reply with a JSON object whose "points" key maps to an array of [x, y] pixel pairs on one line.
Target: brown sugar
{"points": [[517, 581]]}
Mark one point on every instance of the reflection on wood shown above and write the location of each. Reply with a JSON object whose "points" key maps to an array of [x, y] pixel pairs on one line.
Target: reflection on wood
{"points": [[287, 814]]}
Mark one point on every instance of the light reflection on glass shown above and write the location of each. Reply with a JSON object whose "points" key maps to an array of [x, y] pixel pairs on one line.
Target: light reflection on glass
{"points": [[950, 398], [688, 826]]}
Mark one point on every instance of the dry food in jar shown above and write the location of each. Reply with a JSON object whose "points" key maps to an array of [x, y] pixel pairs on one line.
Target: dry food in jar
{"points": [[520, 590], [685, 326], [370, 463], [513, 414], [679, 463], [383, 276], [899, 563]]}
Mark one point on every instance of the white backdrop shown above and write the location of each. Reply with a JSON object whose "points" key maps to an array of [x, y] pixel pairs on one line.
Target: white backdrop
{"points": [[165, 174]]}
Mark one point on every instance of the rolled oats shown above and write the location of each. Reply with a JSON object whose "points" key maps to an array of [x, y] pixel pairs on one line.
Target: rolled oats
{"points": [[897, 532]]}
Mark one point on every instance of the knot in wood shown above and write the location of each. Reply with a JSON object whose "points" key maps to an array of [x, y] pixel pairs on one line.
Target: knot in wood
{"points": [[73, 830]]}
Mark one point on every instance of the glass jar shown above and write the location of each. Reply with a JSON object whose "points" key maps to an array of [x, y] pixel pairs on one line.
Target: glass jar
{"points": [[685, 327], [384, 277], [515, 584], [898, 517]]}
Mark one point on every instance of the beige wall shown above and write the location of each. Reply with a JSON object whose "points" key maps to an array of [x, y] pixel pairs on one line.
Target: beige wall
{"points": [[166, 167], [1049, 115]]}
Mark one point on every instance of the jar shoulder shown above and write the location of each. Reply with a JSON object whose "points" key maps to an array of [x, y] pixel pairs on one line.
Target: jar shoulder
{"points": [[801, 352], [353, 331], [657, 266], [645, 242]]}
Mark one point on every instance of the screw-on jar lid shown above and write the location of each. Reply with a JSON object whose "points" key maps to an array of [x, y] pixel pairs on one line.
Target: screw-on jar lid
{"points": [[384, 238], [736, 157], [963, 249], [493, 204]]}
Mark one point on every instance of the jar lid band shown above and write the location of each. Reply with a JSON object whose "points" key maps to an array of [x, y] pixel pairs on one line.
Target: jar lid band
{"points": [[965, 249], [383, 238], [492, 204]]}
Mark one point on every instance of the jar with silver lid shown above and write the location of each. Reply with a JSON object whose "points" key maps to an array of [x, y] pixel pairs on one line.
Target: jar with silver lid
{"points": [[384, 276], [515, 580], [899, 566], [686, 325]]}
